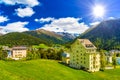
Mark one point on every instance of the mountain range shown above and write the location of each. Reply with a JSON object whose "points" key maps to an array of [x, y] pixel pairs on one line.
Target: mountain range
{"points": [[105, 35], [51, 37], [35, 37]]}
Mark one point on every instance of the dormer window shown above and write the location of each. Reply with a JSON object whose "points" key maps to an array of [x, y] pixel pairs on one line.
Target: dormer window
{"points": [[89, 45]]}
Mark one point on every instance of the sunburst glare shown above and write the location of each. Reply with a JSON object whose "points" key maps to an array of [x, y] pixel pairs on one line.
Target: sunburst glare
{"points": [[98, 11]]}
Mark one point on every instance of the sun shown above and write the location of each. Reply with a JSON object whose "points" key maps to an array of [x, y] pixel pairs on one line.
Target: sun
{"points": [[98, 11]]}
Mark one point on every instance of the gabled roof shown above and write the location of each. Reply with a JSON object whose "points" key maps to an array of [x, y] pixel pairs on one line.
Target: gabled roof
{"points": [[87, 44]]}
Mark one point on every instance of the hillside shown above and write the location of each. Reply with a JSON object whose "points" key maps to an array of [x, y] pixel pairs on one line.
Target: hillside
{"points": [[49, 37], [49, 70], [16, 38], [1, 34], [105, 35]]}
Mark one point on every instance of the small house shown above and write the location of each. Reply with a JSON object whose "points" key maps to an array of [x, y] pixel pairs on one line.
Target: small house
{"points": [[108, 56], [19, 52], [66, 58]]}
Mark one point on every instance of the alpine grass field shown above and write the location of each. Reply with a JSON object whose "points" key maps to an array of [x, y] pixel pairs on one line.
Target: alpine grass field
{"points": [[49, 70]]}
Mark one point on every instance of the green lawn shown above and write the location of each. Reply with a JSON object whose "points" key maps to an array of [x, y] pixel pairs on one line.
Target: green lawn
{"points": [[49, 70]]}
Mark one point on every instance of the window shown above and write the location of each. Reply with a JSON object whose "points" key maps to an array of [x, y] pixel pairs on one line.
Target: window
{"points": [[77, 63], [77, 51], [94, 57], [96, 66], [89, 45], [15, 55], [84, 62]]}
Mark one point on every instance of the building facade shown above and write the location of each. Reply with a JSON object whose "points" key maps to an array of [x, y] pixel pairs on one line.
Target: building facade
{"points": [[19, 52], [108, 57], [83, 55], [66, 58]]}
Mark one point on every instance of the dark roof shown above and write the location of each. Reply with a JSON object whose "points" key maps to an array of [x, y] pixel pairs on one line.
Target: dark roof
{"points": [[17, 48], [87, 44], [65, 54]]}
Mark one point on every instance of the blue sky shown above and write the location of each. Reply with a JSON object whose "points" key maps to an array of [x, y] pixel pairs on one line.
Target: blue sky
{"points": [[73, 16]]}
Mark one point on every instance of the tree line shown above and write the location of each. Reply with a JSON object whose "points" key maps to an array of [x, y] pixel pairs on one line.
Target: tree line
{"points": [[49, 53], [3, 54], [103, 61]]}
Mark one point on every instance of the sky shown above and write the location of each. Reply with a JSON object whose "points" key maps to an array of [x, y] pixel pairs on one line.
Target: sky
{"points": [[72, 16]]}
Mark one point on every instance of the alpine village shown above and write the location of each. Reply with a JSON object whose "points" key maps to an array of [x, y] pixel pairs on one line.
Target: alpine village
{"points": [[91, 53], [59, 39]]}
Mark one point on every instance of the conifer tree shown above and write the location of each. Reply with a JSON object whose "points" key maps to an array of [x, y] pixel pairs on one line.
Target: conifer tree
{"points": [[114, 61], [102, 60]]}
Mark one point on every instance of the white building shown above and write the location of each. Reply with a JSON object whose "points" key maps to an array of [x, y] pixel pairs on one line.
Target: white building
{"points": [[83, 55]]}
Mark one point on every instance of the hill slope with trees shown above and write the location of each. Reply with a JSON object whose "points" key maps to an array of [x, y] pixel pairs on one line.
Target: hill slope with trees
{"points": [[105, 35], [16, 38]]}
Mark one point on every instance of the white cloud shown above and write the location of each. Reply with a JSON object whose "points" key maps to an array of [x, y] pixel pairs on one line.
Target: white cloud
{"points": [[14, 27], [30, 3], [98, 22], [94, 23], [24, 12], [69, 24], [110, 18], [42, 20], [10, 2], [3, 19]]}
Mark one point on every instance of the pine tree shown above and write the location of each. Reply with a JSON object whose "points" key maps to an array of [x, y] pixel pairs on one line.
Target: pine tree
{"points": [[114, 60], [102, 60], [0, 53]]}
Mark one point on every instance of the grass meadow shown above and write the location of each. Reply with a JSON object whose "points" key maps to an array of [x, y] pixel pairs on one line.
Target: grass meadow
{"points": [[50, 70]]}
